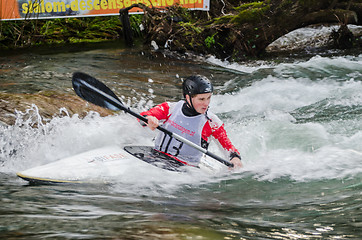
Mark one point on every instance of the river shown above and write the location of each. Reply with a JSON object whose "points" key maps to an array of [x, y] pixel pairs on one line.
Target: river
{"points": [[296, 121]]}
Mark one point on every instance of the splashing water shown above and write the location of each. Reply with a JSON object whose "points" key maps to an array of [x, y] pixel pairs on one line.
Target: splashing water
{"points": [[297, 125], [291, 123]]}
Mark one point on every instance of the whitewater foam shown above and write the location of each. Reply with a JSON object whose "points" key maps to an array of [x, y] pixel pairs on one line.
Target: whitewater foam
{"points": [[295, 121]]}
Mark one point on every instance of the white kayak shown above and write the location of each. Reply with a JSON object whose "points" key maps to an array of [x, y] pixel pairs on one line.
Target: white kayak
{"points": [[102, 164]]}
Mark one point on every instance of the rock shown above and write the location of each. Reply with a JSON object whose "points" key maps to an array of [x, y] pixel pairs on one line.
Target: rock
{"points": [[49, 104], [313, 36]]}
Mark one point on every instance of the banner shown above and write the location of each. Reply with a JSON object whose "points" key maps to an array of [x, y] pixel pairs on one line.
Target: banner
{"points": [[42, 9]]}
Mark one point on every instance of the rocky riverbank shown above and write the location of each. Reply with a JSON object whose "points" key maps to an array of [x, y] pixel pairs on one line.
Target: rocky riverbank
{"points": [[231, 29]]}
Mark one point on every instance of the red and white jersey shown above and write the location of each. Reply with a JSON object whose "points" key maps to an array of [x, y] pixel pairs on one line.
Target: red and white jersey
{"points": [[197, 129]]}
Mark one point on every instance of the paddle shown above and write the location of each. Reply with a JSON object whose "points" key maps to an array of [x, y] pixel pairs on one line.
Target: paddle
{"points": [[92, 90]]}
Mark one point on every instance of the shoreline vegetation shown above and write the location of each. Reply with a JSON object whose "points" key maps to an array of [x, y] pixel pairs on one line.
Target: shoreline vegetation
{"points": [[233, 30], [28, 33]]}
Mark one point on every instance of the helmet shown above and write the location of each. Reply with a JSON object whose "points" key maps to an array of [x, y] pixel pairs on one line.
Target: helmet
{"points": [[196, 84]]}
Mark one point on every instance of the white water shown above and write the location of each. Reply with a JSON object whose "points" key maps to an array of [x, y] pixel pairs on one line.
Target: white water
{"points": [[272, 122], [25, 147], [273, 144]]}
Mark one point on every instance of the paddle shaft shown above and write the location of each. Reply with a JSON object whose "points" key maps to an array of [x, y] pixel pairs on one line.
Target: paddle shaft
{"points": [[118, 104]]}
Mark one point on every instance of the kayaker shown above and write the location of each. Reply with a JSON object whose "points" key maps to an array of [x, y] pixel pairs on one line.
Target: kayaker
{"points": [[191, 119]]}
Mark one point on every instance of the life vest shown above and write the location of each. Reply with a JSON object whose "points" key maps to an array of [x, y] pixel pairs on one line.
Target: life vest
{"points": [[187, 127]]}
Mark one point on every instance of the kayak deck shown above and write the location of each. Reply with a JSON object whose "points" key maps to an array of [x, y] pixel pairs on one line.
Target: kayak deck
{"points": [[99, 165], [159, 159]]}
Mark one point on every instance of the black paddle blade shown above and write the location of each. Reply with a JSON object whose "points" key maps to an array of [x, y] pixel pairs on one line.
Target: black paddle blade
{"points": [[94, 91]]}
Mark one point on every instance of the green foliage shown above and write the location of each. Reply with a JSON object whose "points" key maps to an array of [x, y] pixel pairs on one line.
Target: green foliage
{"points": [[223, 19], [135, 22], [61, 30], [11, 33], [210, 41], [250, 12], [247, 13], [190, 28], [251, 5]]}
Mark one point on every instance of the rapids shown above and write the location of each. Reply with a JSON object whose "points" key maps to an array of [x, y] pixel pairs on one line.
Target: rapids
{"points": [[296, 122]]}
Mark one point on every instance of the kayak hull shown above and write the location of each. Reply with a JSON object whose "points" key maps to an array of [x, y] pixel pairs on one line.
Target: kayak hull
{"points": [[104, 164], [95, 166]]}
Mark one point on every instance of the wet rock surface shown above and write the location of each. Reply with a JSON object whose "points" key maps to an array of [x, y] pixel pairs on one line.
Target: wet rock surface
{"points": [[49, 104]]}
